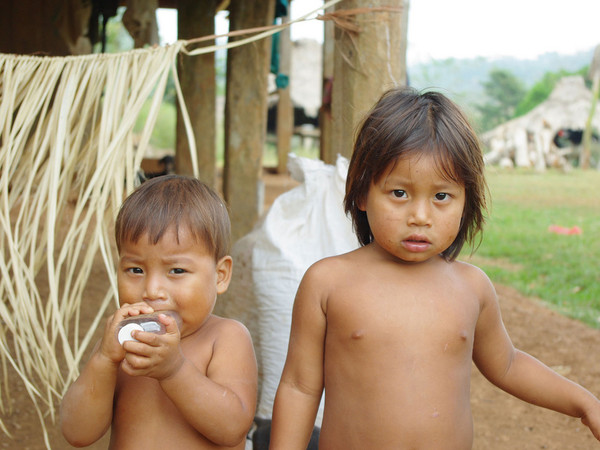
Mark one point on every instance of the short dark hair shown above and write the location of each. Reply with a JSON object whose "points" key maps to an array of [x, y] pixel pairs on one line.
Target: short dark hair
{"points": [[403, 123], [175, 200]]}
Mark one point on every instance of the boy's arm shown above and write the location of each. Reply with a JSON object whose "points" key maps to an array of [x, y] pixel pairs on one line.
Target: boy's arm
{"points": [[299, 393], [220, 404], [522, 375], [87, 407]]}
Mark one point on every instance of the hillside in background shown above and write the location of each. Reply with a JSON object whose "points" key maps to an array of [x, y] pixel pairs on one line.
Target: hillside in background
{"points": [[461, 79]]}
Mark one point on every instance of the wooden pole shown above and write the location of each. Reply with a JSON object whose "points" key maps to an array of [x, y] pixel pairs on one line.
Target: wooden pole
{"points": [[285, 109], [366, 64], [594, 74], [327, 151], [246, 116], [198, 84]]}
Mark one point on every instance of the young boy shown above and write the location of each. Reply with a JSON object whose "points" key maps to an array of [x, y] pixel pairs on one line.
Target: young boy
{"points": [[389, 330], [193, 387]]}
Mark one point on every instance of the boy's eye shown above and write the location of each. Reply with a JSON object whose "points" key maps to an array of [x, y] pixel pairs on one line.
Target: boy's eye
{"points": [[441, 196], [399, 193], [135, 270], [178, 271]]}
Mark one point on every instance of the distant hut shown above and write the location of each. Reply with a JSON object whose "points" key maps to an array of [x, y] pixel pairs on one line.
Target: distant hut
{"points": [[530, 140]]}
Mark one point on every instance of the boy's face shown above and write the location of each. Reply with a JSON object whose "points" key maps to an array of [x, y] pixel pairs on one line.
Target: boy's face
{"points": [[414, 212], [179, 276]]}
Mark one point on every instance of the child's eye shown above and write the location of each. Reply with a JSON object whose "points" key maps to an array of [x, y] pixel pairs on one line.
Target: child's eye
{"points": [[399, 193], [441, 196], [177, 271], [135, 270]]}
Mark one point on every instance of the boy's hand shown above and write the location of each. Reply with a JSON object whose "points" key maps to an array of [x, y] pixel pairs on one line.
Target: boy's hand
{"points": [[154, 355], [110, 346]]}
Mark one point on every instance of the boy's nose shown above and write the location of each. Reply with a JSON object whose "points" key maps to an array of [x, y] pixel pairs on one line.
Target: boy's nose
{"points": [[154, 289]]}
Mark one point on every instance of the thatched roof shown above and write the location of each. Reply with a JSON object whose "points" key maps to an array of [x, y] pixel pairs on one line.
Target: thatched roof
{"points": [[567, 107]]}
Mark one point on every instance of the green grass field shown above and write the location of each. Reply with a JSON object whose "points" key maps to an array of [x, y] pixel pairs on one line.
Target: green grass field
{"points": [[519, 250]]}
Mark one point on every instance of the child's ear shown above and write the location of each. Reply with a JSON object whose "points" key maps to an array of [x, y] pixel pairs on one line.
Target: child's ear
{"points": [[224, 270], [361, 203]]}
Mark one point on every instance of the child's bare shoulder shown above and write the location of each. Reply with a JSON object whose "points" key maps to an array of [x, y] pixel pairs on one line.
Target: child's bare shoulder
{"points": [[224, 326], [217, 332], [476, 278], [332, 266]]}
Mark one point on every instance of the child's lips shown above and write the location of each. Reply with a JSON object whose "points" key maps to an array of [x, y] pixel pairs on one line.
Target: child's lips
{"points": [[416, 243]]}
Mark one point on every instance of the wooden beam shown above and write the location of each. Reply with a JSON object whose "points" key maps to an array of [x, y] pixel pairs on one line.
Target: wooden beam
{"points": [[198, 84], [40, 27], [246, 116]]}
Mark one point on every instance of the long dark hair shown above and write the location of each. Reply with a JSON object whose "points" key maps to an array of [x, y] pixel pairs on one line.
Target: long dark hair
{"points": [[404, 123]]}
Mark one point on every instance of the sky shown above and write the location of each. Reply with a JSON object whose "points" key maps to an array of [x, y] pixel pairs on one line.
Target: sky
{"points": [[440, 29]]}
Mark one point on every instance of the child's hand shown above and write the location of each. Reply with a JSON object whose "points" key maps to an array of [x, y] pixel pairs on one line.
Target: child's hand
{"points": [[110, 346], [592, 421], [154, 355]]}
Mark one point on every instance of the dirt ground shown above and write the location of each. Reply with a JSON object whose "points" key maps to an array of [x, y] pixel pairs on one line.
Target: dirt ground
{"points": [[501, 421]]}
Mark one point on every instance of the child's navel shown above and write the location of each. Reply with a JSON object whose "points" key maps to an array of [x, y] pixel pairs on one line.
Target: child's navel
{"points": [[358, 334]]}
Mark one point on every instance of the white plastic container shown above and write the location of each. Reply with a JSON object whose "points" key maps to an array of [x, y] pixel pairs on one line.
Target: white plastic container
{"points": [[144, 322]]}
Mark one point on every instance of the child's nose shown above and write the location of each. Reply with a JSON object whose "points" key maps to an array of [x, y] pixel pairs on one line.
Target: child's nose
{"points": [[154, 289], [420, 213]]}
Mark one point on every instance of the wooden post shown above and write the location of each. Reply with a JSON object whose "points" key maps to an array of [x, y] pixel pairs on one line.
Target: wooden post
{"points": [[285, 109], [246, 116], [594, 74], [327, 149], [198, 84], [366, 65]]}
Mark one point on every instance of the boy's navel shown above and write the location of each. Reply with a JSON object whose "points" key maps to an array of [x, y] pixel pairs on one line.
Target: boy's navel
{"points": [[357, 334]]}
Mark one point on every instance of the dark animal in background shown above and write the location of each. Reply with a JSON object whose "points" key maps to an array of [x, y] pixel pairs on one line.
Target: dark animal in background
{"points": [[300, 118], [568, 137], [165, 166]]}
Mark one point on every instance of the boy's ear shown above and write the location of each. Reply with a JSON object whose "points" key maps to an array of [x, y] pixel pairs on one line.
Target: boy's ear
{"points": [[224, 270]]}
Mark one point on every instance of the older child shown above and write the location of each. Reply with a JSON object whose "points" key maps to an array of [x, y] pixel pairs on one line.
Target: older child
{"points": [[195, 385], [389, 330]]}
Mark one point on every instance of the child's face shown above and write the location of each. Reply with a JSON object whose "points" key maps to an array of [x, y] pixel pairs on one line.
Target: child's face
{"points": [[414, 213], [180, 276]]}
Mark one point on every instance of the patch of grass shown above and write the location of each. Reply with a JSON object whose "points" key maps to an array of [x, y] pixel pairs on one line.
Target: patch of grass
{"points": [[520, 251]]}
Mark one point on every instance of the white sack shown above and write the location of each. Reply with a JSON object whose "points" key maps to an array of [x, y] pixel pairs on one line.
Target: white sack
{"points": [[303, 225]]}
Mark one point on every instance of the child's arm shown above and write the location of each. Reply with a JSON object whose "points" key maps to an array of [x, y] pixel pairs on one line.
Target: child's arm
{"points": [[523, 376], [218, 402], [299, 393], [87, 406]]}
